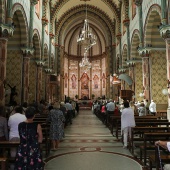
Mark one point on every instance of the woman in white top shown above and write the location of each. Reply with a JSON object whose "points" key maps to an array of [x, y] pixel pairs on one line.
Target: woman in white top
{"points": [[127, 121]]}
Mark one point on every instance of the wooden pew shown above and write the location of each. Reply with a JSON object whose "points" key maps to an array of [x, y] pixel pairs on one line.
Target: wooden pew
{"points": [[155, 159], [162, 114], [152, 137], [140, 122], [137, 134], [5, 159], [4, 163]]}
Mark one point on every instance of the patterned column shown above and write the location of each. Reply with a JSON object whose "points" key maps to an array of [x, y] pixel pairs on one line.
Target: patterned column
{"points": [[9, 11], [32, 8], [164, 11], [140, 16], [126, 22], [146, 76], [164, 32], [26, 52]]}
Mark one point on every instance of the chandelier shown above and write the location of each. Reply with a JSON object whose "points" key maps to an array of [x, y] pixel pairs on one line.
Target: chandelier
{"points": [[86, 39], [85, 64]]}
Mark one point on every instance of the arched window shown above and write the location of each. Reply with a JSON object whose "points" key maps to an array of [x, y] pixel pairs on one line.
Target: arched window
{"points": [[37, 8], [133, 9]]}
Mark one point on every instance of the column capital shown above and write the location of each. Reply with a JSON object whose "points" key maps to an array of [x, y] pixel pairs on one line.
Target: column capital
{"points": [[33, 2], [138, 2], [6, 30], [132, 62], [40, 63], [164, 31], [144, 51], [48, 70], [27, 50], [122, 69]]}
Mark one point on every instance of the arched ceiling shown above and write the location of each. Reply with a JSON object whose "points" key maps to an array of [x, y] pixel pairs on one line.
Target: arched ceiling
{"points": [[67, 17]]}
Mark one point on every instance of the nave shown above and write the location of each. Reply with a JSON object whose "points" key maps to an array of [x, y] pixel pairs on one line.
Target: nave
{"points": [[89, 145]]}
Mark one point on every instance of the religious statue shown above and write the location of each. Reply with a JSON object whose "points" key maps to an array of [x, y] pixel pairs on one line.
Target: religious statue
{"points": [[12, 94]]}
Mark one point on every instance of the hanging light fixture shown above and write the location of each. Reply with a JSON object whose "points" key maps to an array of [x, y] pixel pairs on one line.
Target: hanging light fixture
{"points": [[86, 39]]}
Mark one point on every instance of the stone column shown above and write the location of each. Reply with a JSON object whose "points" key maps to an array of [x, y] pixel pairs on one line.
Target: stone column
{"points": [[146, 76], [32, 10], [164, 11], [164, 32], [140, 16], [26, 52], [126, 23]]}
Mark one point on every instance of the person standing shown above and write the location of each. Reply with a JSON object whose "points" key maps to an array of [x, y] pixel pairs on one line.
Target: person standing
{"points": [[28, 154], [152, 108], [110, 108], [69, 109], [142, 110], [13, 123], [127, 121], [56, 119]]}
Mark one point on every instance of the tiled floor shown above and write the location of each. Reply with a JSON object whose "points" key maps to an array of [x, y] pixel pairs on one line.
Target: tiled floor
{"points": [[89, 145]]}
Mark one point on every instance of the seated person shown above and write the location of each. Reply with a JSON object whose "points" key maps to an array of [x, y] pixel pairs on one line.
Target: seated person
{"points": [[165, 145]]}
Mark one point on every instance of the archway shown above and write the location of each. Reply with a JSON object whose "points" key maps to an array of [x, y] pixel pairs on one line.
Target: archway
{"points": [[14, 71], [157, 56]]}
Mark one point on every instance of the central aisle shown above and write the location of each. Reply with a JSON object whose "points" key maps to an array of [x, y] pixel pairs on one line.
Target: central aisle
{"points": [[89, 145]]}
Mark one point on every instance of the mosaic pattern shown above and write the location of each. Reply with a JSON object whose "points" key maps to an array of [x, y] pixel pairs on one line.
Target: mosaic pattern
{"points": [[13, 73], [158, 76]]}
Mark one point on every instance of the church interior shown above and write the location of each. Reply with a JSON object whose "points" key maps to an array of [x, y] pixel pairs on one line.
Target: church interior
{"points": [[86, 50]]}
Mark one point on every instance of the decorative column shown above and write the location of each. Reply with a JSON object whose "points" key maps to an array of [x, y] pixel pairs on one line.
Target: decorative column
{"points": [[40, 64], [9, 11], [138, 3], [26, 52], [32, 7], [126, 24], [6, 31], [164, 11], [165, 34], [145, 53], [48, 72]]}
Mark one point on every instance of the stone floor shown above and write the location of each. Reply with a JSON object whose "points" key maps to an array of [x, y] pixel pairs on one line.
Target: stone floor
{"points": [[89, 145]]}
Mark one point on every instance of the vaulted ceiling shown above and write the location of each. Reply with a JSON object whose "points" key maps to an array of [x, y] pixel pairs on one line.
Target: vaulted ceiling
{"points": [[68, 17]]}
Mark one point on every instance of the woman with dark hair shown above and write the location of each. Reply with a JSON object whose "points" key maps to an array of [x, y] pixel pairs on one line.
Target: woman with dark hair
{"points": [[127, 121], [28, 155], [56, 119]]}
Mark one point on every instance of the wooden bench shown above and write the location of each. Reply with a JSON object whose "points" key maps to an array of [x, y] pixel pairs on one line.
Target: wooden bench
{"points": [[154, 159], [137, 134], [141, 122], [152, 137], [3, 162]]}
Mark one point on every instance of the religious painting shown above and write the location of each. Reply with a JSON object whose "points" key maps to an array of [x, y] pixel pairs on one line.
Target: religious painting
{"points": [[65, 80], [96, 81], [73, 79], [84, 86]]}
